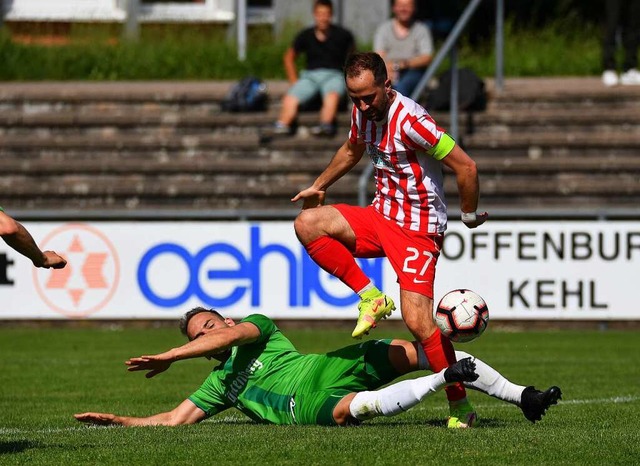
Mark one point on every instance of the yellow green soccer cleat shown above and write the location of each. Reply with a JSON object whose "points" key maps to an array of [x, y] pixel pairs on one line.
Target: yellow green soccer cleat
{"points": [[461, 416], [372, 310]]}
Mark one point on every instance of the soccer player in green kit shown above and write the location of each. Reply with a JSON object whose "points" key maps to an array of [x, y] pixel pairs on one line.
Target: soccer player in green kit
{"points": [[266, 378]]}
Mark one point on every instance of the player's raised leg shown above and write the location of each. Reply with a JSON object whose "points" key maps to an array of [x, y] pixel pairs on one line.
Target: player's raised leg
{"points": [[331, 242]]}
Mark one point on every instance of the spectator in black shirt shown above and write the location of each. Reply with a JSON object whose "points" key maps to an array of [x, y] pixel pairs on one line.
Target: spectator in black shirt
{"points": [[326, 47]]}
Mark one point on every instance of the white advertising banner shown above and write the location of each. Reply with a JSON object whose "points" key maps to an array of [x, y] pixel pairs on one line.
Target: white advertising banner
{"points": [[157, 270]]}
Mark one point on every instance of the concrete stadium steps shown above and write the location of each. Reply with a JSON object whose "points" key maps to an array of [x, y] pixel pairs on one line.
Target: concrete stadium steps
{"points": [[40, 162], [174, 191], [508, 145], [186, 191], [121, 121], [562, 92], [520, 141], [543, 143], [186, 98]]}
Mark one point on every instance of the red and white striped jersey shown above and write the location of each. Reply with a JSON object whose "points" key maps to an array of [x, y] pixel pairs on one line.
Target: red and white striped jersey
{"points": [[408, 171]]}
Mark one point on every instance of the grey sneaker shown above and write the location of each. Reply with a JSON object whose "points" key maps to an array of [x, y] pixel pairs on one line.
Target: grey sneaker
{"points": [[280, 129], [324, 130]]}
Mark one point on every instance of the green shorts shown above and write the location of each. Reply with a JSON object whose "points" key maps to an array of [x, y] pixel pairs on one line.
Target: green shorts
{"points": [[356, 368]]}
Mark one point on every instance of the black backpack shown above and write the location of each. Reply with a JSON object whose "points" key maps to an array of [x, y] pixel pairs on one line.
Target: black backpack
{"points": [[472, 95], [247, 95]]}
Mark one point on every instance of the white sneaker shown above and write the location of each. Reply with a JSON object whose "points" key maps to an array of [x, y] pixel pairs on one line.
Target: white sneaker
{"points": [[630, 77], [610, 78]]}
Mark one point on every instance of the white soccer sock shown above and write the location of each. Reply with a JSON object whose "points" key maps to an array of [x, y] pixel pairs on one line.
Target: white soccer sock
{"points": [[492, 382], [395, 398]]}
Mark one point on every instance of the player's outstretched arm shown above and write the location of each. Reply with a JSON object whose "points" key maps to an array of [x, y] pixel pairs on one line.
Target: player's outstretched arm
{"points": [[17, 236], [342, 162], [155, 363], [185, 413], [468, 185], [208, 344]]}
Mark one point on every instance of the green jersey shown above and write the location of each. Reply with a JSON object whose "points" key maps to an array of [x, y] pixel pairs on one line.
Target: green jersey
{"points": [[271, 382]]}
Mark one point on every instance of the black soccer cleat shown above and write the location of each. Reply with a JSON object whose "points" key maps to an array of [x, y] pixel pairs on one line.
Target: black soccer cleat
{"points": [[534, 403], [462, 371]]}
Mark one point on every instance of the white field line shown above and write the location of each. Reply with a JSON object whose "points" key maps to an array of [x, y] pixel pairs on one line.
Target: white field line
{"points": [[616, 399], [594, 401], [80, 427], [237, 420], [48, 430]]}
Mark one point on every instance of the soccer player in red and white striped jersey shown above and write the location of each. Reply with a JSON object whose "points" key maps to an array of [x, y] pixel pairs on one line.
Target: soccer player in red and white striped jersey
{"points": [[408, 216]]}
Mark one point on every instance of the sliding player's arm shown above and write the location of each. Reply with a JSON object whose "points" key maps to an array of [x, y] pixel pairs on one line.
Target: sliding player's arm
{"points": [[185, 413], [207, 345]]}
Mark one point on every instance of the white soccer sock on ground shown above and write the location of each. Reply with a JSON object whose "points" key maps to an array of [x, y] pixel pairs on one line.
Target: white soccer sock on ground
{"points": [[490, 381], [396, 398]]}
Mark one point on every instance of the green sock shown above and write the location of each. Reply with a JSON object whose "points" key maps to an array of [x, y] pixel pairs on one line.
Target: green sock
{"points": [[370, 293]]}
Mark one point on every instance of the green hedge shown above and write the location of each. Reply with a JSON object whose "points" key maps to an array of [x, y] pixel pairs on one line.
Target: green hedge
{"points": [[182, 56], [186, 54], [563, 48]]}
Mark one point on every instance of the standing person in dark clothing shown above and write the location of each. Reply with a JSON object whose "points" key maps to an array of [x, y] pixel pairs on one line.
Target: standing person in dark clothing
{"points": [[623, 16], [326, 46]]}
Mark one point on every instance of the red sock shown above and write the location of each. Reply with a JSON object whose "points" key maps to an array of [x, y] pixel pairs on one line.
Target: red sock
{"points": [[440, 354], [334, 257]]}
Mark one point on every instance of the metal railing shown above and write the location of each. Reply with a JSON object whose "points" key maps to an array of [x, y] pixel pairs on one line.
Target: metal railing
{"points": [[449, 48]]}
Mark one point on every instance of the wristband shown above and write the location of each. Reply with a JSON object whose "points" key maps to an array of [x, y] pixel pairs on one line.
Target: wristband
{"points": [[468, 217]]}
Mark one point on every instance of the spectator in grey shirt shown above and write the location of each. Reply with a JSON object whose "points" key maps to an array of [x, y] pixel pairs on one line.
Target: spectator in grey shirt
{"points": [[405, 45]]}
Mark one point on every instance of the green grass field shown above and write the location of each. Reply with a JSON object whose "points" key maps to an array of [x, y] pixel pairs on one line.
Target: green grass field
{"points": [[48, 374]]}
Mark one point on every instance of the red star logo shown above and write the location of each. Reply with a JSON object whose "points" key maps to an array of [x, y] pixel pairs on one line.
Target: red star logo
{"points": [[91, 271], [90, 276]]}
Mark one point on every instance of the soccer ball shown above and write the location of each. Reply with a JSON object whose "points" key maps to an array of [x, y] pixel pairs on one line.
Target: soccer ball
{"points": [[462, 315]]}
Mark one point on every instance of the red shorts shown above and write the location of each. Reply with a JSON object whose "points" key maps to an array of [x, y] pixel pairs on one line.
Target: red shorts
{"points": [[412, 254]]}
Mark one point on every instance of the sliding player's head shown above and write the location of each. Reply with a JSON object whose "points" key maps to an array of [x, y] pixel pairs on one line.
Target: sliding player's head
{"points": [[201, 321]]}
